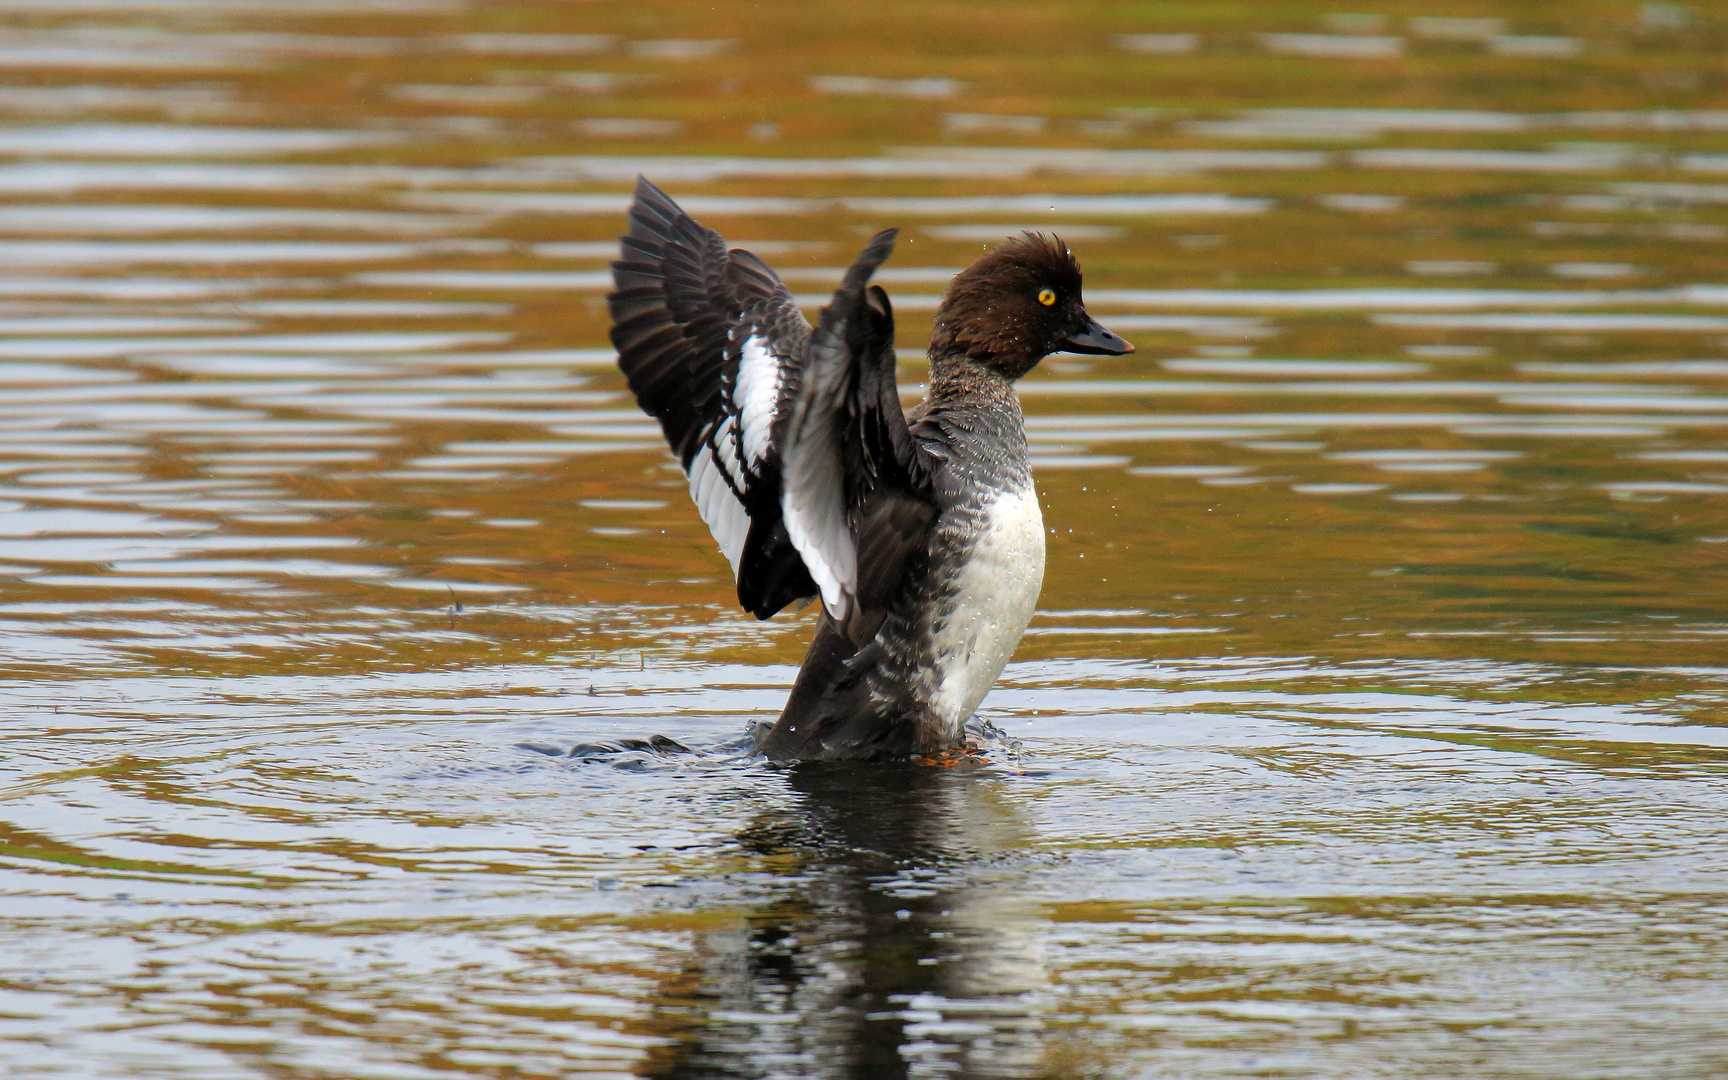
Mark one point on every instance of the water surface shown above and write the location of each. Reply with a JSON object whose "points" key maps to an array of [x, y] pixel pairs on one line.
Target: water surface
{"points": [[1374, 720]]}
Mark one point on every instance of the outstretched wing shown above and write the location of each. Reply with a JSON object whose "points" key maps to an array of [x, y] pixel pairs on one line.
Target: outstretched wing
{"points": [[857, 501], [711, 343]]}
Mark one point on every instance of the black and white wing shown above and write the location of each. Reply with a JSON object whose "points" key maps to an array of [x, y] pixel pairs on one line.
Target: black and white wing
{"points": [[857, 501], [712, 343]]}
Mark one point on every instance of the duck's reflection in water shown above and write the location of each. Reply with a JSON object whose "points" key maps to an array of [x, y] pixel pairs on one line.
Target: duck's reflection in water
{"points": [[899, 945]]}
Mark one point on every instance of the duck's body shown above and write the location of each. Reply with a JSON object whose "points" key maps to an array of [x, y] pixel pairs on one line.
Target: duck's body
{"points": [[965, 597], [922, 534]]}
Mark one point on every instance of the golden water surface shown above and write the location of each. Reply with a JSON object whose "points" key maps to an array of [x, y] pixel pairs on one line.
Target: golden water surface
{"points": [[1374, 720]]}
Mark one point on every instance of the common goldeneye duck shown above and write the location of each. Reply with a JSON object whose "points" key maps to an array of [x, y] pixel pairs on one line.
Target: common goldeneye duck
{"points": [[920, 532]]}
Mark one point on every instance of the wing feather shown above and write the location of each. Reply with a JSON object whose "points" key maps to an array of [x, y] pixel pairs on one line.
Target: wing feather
{"points": [[793, 440], [857, 498], [685, 312]]}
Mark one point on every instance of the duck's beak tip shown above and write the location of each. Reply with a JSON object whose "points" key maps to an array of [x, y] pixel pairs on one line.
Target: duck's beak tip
{"points": [[1095, 339]]}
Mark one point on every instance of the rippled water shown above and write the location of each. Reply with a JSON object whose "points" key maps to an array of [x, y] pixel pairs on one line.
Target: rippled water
{"points": [[1374, 721]]}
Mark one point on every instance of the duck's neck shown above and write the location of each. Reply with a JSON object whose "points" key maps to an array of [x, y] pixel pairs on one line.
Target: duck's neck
{"points": [[978, 413], [976, 397], [955, 375], [954, 372]]}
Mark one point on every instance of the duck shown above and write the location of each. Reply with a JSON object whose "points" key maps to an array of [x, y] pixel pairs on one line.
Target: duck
{"points": [[919, 531]]}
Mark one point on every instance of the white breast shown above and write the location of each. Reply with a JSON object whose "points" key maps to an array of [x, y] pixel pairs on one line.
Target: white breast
{"points": [[994, 595]]}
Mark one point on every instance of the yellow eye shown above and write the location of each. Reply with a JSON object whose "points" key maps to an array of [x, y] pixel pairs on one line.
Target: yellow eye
{"points": [[1047, 297]]}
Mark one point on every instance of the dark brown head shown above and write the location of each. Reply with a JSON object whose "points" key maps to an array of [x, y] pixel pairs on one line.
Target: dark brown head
{"points": [[1017, 305]]}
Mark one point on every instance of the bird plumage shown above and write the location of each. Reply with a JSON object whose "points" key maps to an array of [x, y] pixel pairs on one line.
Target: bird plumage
{"points": [[815, 482]]}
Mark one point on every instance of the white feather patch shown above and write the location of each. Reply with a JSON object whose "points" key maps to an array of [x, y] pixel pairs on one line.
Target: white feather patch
{"points": [[757, 397], [812, 501], [832, 567], [720, 509], [994, 596]]}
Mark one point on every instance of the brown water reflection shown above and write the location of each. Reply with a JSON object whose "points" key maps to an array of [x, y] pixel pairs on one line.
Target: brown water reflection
{"points": [[1373, 713]]}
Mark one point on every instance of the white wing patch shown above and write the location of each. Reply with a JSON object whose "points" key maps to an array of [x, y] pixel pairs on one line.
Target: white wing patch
{"points": [[757, 397], [719, 507], [735, 448], [812, 502], [817, 527]]}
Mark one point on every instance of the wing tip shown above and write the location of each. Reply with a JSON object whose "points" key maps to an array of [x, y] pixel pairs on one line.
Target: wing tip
{"points": [[647, 193], [875, 253], [654, 216]]}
